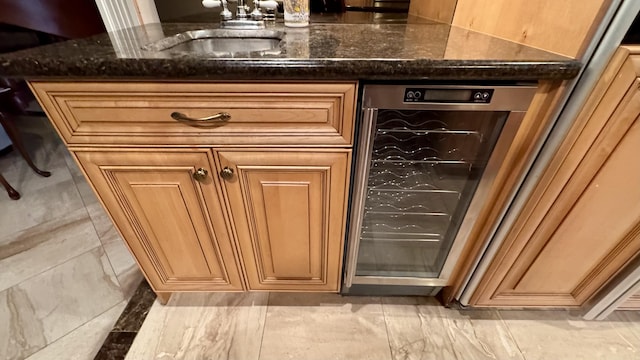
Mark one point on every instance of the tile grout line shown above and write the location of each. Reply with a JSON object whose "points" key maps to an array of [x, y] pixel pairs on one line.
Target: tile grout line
{"points": [[84, 206], [515, 341], [51, 268], [386, 327], [620, 334], [264, 327], [40, 223], [113, 269], [446, 324], [63, 170], [47, 222], [93, 225], [76, 328]]}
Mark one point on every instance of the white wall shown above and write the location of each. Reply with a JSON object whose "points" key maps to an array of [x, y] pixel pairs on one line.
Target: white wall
{"points": [[122, 14]]}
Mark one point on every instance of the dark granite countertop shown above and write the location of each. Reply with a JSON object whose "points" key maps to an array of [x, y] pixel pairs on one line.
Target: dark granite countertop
{"points": [[330, 49]]}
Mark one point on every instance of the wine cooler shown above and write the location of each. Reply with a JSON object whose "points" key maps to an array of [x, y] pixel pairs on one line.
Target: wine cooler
{"points": [[425, 159]]}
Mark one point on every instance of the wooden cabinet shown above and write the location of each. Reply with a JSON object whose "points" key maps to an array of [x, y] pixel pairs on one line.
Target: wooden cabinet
{"points": [[288, 208], [173, 224], [534, 23], [255, 202], [581, 225], [441, 10], [114, 113]]}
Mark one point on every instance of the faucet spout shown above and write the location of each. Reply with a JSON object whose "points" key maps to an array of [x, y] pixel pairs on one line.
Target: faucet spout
{"points": [[241, 12], [243, 20]]}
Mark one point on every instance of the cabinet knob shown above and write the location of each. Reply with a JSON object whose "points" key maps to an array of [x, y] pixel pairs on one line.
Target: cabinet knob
{"points": [[200, 174], [226, 173]]}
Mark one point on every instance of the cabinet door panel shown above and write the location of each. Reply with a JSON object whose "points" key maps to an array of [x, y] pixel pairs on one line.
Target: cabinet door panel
{"points": [[581, 224], [289, 210], [282, 196], [595, 228], [173, 224]]}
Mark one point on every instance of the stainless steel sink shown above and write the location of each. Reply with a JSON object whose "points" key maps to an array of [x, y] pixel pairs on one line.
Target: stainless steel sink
{"points": [[221, 43]]}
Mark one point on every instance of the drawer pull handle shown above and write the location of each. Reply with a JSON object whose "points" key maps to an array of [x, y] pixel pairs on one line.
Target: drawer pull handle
{"points": [[200, 174], [226, 173], [209, 120]]}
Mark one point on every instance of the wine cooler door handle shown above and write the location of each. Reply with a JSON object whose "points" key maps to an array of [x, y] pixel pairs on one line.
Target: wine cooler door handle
{"points": [[365, 143]]}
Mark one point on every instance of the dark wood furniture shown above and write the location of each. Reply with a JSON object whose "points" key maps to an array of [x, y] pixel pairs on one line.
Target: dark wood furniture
{"points": [[6, 99], [24, 24], [69, 19]]}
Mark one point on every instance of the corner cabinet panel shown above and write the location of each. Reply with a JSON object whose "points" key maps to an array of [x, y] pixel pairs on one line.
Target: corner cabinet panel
{"points": [[581, 225], [172, 223], [289, 211]]}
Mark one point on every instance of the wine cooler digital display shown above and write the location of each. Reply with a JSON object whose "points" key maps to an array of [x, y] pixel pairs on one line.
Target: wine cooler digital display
{"points": [[424, 95]]}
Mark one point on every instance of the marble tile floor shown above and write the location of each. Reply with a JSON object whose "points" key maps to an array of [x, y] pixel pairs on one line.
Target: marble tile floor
{"points": [[65, 274], [252, 326]]}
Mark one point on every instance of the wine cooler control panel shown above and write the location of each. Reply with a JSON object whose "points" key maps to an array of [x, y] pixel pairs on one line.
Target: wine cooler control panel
{"points": [[431, 95]]}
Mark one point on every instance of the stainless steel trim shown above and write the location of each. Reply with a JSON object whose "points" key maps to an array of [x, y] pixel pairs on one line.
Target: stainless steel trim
{"points": [[619, 301], [614, 294], [505, 98], [403, 281], [365, 150], [500, 150], [228, 33]]}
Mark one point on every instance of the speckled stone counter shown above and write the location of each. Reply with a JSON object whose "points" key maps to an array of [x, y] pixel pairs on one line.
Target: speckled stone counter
{"points": [[417, 50]]}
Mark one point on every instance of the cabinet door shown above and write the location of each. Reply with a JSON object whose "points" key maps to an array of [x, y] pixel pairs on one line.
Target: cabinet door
{"points": [[289, 211], [173, 224], [581, 225]]}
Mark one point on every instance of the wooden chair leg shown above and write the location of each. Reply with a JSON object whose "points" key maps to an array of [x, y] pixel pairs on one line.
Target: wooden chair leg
{"points": [[10, 190], [12, 131]]}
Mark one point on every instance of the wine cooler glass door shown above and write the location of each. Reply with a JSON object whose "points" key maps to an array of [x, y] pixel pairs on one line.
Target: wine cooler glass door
{"points": [[426, 159], [424, 169]]}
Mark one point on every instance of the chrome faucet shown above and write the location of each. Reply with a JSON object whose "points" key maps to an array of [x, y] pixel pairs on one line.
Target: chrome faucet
{"points": [[253, 20], [241, 12]]}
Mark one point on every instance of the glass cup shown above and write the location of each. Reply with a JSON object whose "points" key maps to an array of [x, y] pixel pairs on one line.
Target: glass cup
{"points": [[296, 13]]}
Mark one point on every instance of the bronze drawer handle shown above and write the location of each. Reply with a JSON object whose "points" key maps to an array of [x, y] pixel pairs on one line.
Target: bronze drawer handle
{"points": [[205, 121]]}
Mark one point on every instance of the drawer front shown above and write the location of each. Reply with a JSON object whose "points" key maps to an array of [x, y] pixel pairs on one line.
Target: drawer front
{"points": [[141, 113]]}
